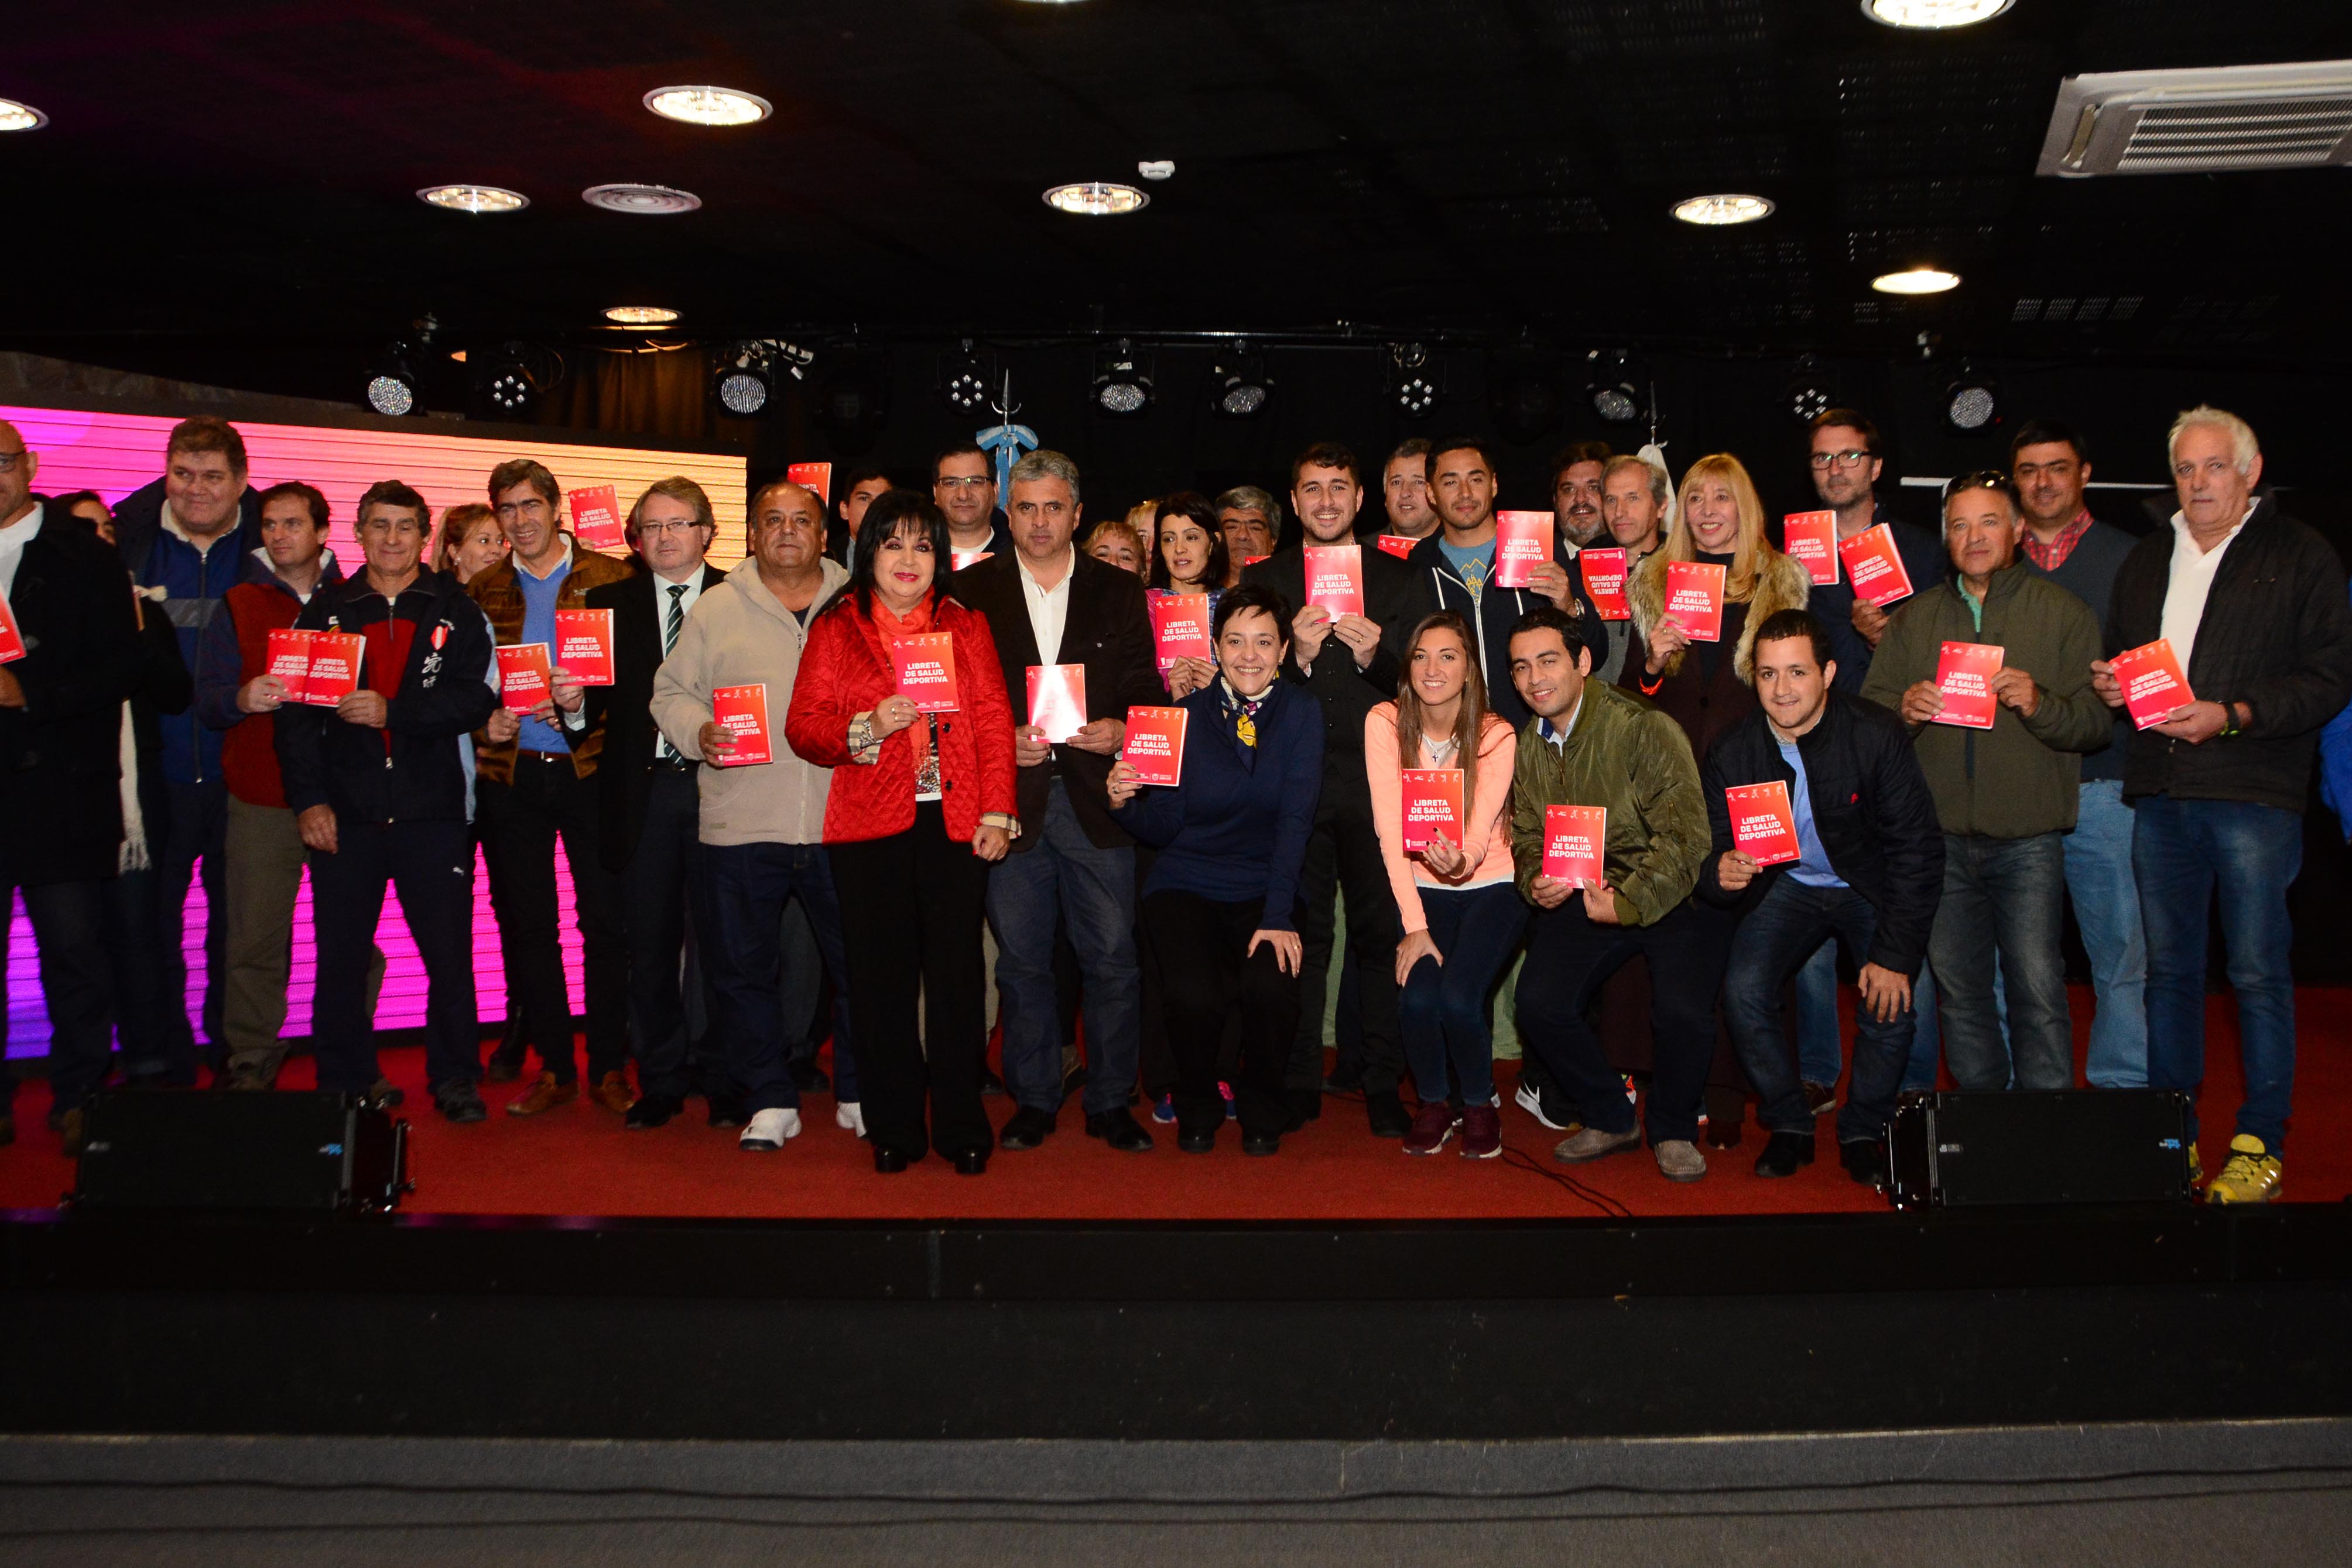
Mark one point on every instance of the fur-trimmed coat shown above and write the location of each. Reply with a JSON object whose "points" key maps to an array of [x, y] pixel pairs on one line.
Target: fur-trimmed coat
{"points": [[1705, 706]]}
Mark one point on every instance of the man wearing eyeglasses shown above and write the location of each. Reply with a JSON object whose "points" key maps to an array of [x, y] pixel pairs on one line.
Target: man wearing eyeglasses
{"points": [[1846, 460], [963, 482]]}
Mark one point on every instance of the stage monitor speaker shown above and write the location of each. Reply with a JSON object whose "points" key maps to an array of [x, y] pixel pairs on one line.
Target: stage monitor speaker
{"points": [[2062, 1146], [287, 1153]]}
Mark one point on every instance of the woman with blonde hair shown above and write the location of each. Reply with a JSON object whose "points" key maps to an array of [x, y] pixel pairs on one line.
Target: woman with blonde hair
{"points": [[1116, 541], [471, 541]]}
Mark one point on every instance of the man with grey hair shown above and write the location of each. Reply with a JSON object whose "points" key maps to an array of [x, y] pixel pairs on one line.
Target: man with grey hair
{"points": [[1634, 494], [1251, 522], [2253, 603], [1049, 604]]}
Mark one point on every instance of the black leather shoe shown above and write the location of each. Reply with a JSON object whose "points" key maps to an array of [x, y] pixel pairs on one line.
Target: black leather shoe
{"points": [[727, 1111], [989, 1082], [1386, 1113], [809, 1079], [1261, 1143], [1783, 1152], [1199, 1139], [1305, 1105], [971, 1163], [1865, 1162], [502, 1067], [1347, 1078], [1028, 1128], [1118, 1129], [460, 1103], [652, 1111], [889, 1162]]}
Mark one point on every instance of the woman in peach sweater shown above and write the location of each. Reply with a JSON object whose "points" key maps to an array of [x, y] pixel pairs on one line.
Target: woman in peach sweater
{"points": [[1463, 915]]}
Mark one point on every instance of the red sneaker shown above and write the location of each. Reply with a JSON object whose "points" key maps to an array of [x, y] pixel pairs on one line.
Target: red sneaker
{"points": [[1433, 1124], [1482, 1132]]}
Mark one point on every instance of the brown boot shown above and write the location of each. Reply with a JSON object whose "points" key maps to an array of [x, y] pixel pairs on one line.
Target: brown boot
{"points": [[544, 1094], [614, 1093]]}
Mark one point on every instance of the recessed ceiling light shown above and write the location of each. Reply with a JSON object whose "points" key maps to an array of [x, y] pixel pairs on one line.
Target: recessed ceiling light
{"points": [[645, 199], [15, 116], [1716, 211], [474, 198], [1933, 13], [1918, 280], [640, 315], [1097, 198], [708, 105]]}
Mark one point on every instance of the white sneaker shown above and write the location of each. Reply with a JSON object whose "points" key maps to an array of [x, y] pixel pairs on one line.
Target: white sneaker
{"points": [[850, 1117], [1532, 1103], [770, 1129]]}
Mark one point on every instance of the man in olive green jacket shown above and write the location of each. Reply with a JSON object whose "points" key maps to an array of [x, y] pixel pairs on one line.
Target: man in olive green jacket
{"points": [[2006, 795], [1591, 744]]}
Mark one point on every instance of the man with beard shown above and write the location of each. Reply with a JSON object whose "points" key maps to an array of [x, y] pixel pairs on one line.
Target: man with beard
{"points": [[1576, 494]]}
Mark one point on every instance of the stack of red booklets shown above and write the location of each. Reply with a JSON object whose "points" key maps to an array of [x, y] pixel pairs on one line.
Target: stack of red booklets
{"points": [[583, 646], [1057, 701], [1604, 580], [926, 666], [2152, 682], [1762, 824], [1522, 543], [526, 676], [1694, 598], [1180, 626], [1335, 578], [1964, 675], [1432, 807], [742, 712], [1810, 540], [1576, 841], [1155, 745], [319, 669], [1874, 566], [596, 518]]}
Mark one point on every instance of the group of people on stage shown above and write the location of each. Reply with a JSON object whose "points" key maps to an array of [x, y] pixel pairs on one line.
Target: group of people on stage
{"points": [[932, 753]]}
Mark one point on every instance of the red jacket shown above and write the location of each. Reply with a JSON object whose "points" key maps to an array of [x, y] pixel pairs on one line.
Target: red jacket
{"points": [[250, 749], [845, 671]]}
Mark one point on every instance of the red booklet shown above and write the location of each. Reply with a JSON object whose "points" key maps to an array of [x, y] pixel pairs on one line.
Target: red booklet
{"points": [[1057, 699], [1874, 566], [334, 672], [1253, 560], [1964, 675], [1604, 579], [288, 658], [596, 518], [2152, 682], [926, 666], [1763, 822], [1522, 543], [1397, 544], [526, 676], [583, 646], [12, 641], [1180, 626], [1575, 839], [1810, 540], [1335, 578], [1433, 807], [1694, 598], [960, 559], [742, 712], [1155, 745], [814, 478]]}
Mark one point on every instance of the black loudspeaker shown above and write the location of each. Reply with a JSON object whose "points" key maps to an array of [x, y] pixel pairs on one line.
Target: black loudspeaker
{"points": [[312, 1153], [2061, 1146]]}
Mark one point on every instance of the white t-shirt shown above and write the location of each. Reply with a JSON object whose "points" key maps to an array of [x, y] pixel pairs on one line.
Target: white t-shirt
{"points": [[2191, 583]]}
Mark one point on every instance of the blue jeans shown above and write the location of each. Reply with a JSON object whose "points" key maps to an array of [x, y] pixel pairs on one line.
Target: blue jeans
{"points": [[2004, 897], [744, 889], [2183, 851], [1066, 876], [2106, 907], [1443, 1006], [1787, 923], [1818, 1057]]}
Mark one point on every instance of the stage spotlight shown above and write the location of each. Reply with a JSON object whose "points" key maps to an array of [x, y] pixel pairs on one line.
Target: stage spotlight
{"points": [[510, 380], [1971, 405], [1238, 387], [1415, 384], [1122, 383], [854, 403], [1807, 397], [966, 380], [1523, 393], [743, 379], [395, 388], [1614, 384]]}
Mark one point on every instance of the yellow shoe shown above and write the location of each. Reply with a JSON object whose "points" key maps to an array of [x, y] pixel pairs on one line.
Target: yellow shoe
{"points": [[2251, 1176], [2196, 1166]]}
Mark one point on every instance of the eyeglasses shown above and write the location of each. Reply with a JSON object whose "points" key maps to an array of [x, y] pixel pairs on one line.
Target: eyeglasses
{"points": [[672, 525], [967, 482], [1982, 479], [1846, 460]]}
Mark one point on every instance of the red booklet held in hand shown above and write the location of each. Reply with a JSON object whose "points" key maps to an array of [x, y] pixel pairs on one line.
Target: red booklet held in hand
{"points": [[742, 712], [1575, 839], [526, 676], [2152, 682], [583, 646], [1964, 675], [288, 658], [1057, 701], [334, 672], [1335, 578], [1155, 745], [1810, 540], [1397, 544], [1433, 807], [960, 559], [814, 478], [1180, 626], [1763, 826], [12, 641], [1694, 598], [1604, 579], [925, 665], [1874, 566], [596, 518], [1522, 543]]}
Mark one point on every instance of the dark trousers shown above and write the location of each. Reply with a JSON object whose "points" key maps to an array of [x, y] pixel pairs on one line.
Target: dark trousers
{"points": [[1775, 939], [656, 899], [1446, 1021], [1570, 956], [910, 918], [1208, 977], [68, 928], [520, 823], [1344, 852], [151, 1022], [195, 832], [431, 866], [745, 888]]}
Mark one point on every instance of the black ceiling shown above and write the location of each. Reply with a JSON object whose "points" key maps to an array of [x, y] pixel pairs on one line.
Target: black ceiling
{"points": [[231, 185]]}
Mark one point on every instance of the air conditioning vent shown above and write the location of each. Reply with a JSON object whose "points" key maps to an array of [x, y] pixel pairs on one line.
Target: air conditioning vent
{"points": [[2201, 121]]}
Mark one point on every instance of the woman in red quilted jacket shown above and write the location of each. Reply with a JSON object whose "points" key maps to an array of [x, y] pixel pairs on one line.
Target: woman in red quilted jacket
{"points": [[921, 801]]}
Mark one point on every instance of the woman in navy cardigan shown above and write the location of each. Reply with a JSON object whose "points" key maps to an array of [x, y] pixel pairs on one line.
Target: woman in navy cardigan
{"points": [[1222, 939]]}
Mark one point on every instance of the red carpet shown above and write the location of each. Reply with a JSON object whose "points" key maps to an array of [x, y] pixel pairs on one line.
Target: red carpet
{"points": [[577, 1160]]}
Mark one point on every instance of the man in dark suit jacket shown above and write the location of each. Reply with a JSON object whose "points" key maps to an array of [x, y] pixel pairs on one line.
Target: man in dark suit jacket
{"points": [[1351, 665], [60, 770], [647, 801], [1070, 862]]}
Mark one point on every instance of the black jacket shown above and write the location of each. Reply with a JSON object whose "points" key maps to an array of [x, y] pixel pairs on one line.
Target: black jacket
{"points": [[60, 753], [1347, 693], [1108, 631], [1438, 587], [165, 690], [623, 773], [1871, 808], [444, 696], [2276, 635]]}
